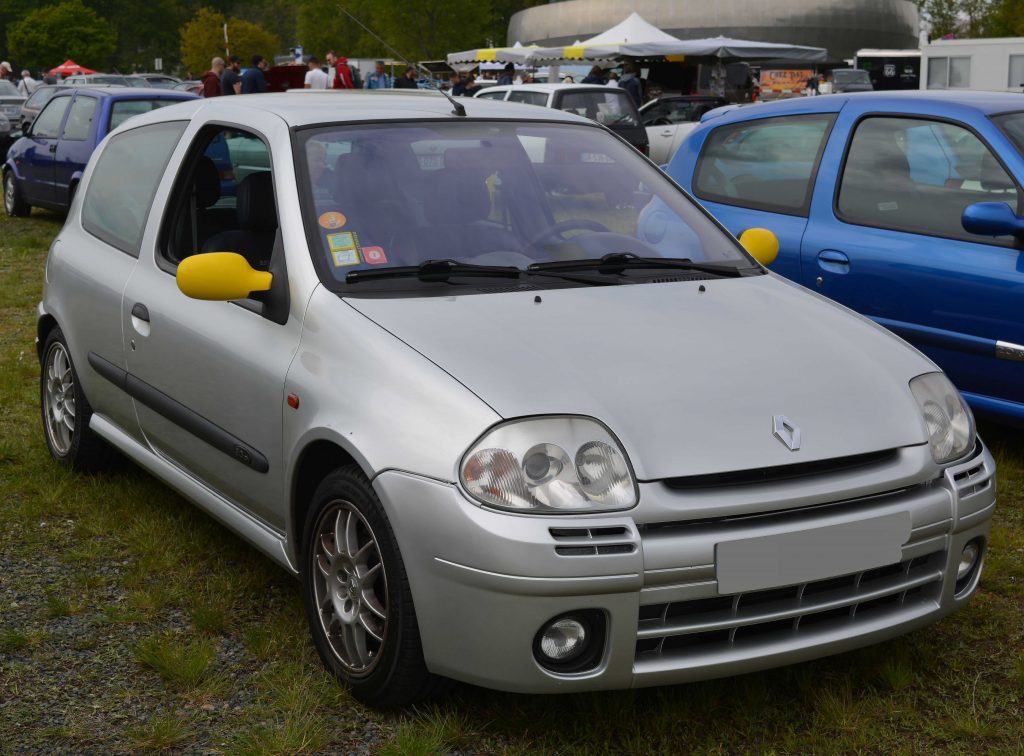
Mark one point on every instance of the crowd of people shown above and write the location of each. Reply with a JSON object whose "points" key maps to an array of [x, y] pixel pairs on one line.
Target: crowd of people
{"points": [[227, 77], [25, 83]]}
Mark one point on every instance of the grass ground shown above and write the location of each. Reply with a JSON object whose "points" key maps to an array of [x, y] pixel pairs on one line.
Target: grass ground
{"points": [[130, 621]]}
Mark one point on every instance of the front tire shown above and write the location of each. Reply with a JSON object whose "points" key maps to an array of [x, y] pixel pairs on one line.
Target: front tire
{"points": [[357, 595], [66, 411], [14, 205]]}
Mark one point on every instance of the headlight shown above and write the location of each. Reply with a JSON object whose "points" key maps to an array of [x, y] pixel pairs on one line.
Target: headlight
{"points": [[949, 422], [549, 464]]}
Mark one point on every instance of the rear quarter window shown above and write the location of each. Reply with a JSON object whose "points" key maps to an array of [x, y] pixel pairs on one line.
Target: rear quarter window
{"points": [[123, 182], [122, 110], [765, 164]]}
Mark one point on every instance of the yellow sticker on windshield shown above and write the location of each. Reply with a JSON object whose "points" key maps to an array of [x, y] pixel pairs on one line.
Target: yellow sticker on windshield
{"points": [[344, 248]]}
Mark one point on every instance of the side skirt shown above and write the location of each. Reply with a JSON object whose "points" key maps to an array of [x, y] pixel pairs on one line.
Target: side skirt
{"points": [[251, 530]]}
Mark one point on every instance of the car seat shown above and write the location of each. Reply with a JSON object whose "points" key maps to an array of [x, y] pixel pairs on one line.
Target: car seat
{"points": [[256, 214]]}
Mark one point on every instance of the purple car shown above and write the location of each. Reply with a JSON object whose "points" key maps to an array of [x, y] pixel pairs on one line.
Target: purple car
{"points": [[43, 168]]}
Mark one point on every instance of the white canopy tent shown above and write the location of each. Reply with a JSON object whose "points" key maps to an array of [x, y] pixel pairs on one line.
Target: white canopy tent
{"points": [[490, 55]]}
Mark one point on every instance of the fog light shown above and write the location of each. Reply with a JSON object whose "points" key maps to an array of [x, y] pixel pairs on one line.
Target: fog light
{"points": [[968, 560], [563, 640]]}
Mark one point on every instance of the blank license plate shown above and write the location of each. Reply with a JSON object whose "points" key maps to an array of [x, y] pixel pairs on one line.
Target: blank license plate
{"points": [[753, 564]]}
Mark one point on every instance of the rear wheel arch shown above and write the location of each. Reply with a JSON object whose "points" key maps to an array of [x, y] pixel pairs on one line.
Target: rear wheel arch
{"points": [[46, 324]]}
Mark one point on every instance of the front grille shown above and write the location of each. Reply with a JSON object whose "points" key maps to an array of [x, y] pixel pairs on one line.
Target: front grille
{"points": [[780, 472], [592, 541], [745, 620], [973, 480]]}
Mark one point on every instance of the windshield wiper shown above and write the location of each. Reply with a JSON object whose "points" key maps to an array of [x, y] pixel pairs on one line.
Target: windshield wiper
{"points": [[617, 262], [435, 270], [443, 270]]}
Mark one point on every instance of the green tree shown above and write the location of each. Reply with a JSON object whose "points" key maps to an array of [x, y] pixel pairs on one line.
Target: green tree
{"points": [[321, 26], [48, 36], [202, 38]]}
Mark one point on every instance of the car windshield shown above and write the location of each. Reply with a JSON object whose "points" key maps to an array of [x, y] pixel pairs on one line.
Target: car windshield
{"points": [[484, 193], [1012, 124], [122, 110], [8, 90], [40, 97], [609, 108], [851, 77]]}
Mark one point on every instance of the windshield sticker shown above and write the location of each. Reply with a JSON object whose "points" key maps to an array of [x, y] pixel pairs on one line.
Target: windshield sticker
{"points": [[374, 256], [344, 249], [333, 220]]}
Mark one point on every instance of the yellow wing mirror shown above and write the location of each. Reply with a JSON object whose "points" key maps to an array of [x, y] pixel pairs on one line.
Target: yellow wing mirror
{"points": [[761, 243], [220, 276]]}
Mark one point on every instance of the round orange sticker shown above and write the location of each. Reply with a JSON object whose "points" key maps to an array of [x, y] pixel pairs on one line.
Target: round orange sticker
{"points": [[333, 220]]}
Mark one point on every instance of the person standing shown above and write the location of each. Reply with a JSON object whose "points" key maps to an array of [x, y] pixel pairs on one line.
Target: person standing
{"points": [[6, 72], [27, 85], [630, 81], [315, 76], [508, 75], [613, 79], [408, 81], [342, 73], [211, 79], [253, 80], [596, 76], [379, 79], [458, 86], [471, 87], [231, 79]]}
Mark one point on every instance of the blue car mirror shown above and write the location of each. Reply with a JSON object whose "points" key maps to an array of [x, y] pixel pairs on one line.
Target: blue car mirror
{"points": [[992, 219]]}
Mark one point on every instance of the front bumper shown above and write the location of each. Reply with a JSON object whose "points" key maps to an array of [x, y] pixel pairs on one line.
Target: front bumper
{"points": [[485, 582]]}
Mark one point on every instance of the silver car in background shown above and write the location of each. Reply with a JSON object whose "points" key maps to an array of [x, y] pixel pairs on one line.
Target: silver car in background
{"points": [[509, 403]]}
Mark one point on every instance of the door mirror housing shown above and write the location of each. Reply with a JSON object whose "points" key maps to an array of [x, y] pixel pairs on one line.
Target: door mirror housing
{"points": [[761, 243], [991, 219], [220, 276]]}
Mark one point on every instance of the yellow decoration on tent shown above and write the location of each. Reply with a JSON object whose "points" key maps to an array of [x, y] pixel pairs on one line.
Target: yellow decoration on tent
{"points": [[573, 51], [675, 58], [490, 54]]}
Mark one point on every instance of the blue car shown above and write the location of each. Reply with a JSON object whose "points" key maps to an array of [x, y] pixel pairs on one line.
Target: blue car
{"points": [[903, 206], [43, 168]]}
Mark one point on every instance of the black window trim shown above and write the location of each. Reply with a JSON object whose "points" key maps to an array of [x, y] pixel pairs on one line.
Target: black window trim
{"points": [[799, 212], [990, 241], [109, 239], [79, 96]]}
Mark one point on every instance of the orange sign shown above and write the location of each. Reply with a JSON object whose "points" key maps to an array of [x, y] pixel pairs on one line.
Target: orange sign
{"points": [[784, 80], [333, 220]]}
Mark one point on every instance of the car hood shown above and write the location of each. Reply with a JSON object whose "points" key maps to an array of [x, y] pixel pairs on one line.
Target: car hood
{"points": [[688, 375]]}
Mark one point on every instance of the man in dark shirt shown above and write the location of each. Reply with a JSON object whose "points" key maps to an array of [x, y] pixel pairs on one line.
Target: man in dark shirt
{"points": [[508, 75], [408, 81], [231, 79], [211, 79], [253, 80]]}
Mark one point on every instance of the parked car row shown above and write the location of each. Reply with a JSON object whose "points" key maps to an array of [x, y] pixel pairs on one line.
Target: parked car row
{"points": [[482, 380]]}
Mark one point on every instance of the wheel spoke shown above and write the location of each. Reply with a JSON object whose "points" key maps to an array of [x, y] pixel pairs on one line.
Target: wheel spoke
{"points": [[355, 641], [370, 602], [371, 574], [69, 421], [360, 556], [351, 542], [327, 547], [323, 564], [365, 623], [339, 533]]}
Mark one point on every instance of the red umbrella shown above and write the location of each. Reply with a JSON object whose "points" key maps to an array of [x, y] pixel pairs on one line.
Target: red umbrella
{"points": [[69, 68]]}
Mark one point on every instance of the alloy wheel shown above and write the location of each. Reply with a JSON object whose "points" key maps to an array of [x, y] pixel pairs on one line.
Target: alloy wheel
{"points": [[59, 398], [350, 587], [9, 193]]}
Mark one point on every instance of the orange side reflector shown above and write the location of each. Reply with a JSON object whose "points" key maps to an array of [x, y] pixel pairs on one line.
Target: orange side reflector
{"points": [[293, 401]]}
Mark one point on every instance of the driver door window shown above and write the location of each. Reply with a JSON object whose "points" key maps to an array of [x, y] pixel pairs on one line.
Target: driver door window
{"points": [[223, 201]]}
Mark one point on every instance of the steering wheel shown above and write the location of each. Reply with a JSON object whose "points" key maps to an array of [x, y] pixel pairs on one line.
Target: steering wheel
{"points": [[558, 229], [663, 121]]}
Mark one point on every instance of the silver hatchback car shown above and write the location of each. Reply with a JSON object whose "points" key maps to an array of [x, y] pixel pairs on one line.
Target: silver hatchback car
{"points": [[510, 404]]}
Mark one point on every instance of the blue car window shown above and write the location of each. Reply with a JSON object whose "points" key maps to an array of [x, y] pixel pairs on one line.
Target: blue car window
{"points": [[47, 123], [917, 175], [764, 164], [121, 188], [80, 118]]}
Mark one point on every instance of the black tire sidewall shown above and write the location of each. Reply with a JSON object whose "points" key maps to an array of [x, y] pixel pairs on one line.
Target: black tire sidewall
{"points": [[401, 650]]}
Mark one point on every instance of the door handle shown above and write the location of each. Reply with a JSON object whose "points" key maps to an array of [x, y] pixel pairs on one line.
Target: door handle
{"points": [[53, 147], [667, 132], [834, 261], [140, 311]]}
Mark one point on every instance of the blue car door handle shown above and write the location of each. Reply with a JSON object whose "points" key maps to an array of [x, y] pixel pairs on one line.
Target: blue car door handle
{"points": [[834, 261]]}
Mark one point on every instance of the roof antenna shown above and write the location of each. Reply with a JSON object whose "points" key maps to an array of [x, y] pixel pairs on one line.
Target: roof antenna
{"points": [[457, 107]]}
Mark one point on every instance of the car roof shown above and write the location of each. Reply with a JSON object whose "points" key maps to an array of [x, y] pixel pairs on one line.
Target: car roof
{"points": [[307, 107], [551, 87], [127, 93], [960, 102]]}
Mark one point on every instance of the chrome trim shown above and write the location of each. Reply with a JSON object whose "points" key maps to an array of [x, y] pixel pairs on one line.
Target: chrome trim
{"points": [[1006, 350], [786, 431]]}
